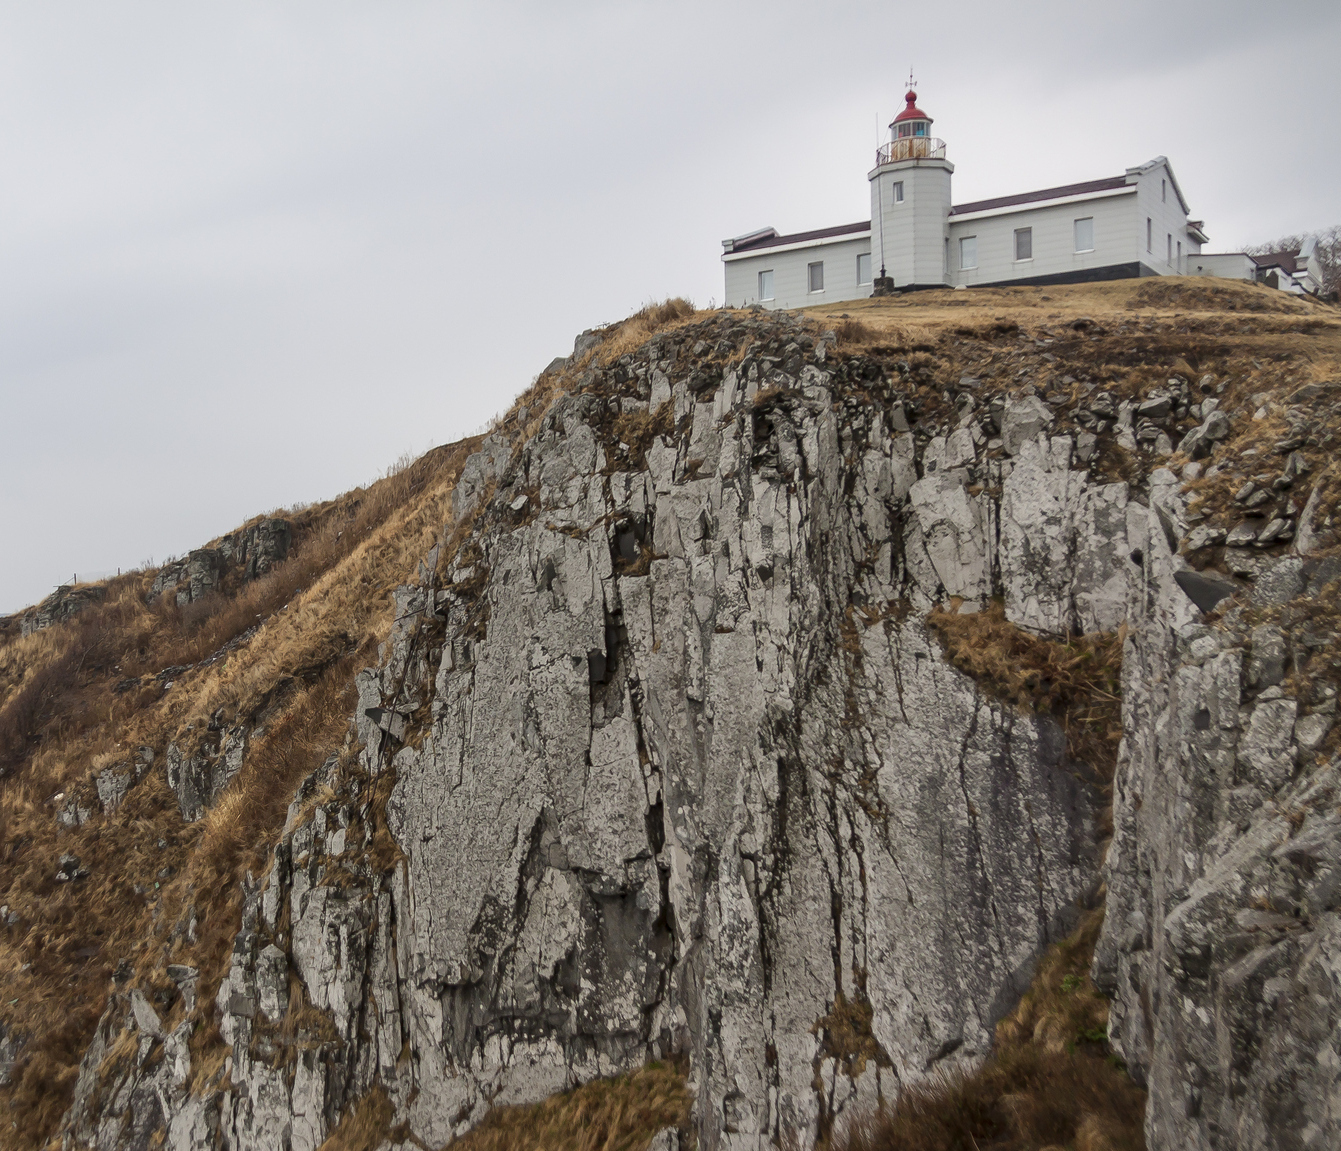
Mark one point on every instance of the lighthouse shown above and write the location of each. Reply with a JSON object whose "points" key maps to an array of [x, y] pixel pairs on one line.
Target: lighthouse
{"points": [[910, 203]]}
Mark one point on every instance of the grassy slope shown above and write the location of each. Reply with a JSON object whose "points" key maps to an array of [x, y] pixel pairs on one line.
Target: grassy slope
{"points": [[323, 611]]}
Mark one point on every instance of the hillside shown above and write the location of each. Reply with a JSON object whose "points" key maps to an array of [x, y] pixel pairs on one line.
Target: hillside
{"points": [[802, 706]]}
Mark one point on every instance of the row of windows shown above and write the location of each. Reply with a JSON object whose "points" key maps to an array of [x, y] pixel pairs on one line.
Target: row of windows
{"points": [[815, 276], [1024, 243]]}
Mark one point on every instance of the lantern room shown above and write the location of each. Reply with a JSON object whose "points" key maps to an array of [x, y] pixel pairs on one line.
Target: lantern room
{"points": [[912, 121]]}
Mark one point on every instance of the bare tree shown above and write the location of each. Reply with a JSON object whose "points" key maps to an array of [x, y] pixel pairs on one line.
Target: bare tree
{"points": [[1329, 254]]}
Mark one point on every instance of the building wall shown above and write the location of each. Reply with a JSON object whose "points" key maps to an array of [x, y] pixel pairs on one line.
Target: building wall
{"points": [[1167, 218], [913, 243], [1231, 265], [1053, 240], [790, 272]]}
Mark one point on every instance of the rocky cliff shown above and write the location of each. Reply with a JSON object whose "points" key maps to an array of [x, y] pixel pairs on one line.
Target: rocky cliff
{"points": [[662, 757]]}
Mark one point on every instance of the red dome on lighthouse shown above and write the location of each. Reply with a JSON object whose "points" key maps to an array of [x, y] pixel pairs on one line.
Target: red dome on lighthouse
{"points": [[911, 111]]}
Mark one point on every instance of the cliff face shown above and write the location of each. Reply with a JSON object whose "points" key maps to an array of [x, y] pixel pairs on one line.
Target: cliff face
{"points": [[1222, 945], [662, 759]]}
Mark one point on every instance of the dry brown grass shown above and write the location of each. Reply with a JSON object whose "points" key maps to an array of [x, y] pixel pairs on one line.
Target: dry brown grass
{"points": [[616, 340], [365, 1128], [862, 335], [639, 429], [620, 1114], [631, 334], [1050, 1081], [1077, 681]]}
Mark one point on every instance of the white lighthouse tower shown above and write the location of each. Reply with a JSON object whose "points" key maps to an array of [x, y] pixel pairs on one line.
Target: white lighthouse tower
{"points": [[910, 203]]}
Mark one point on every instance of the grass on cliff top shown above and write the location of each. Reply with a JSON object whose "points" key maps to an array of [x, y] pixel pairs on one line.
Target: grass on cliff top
{"points": [[618, 1114], [1050, 1083]]}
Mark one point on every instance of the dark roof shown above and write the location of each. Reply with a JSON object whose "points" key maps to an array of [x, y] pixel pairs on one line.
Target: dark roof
{"points": [[799, 237], [1286, 261], [1042, 194]]}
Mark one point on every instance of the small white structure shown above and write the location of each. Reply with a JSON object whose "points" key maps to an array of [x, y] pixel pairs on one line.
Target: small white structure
{"points": [[1135, 224], [1297, 270]]}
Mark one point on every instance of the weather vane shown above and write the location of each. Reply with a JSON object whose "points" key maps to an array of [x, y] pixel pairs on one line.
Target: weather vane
{"points": [[911, 83]]}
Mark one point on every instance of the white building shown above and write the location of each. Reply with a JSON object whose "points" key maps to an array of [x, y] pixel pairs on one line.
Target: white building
{"points": [[1135, 224], [1297, 270]]}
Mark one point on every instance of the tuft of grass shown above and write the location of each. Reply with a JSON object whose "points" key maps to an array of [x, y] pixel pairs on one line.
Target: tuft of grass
{"points": [[365, 1128], [1077, 681], [619, 1114], [629, 335], [1050, 1082], [855, 332], [639, 429]]}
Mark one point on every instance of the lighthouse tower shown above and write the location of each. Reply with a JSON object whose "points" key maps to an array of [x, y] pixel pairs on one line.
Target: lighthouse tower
{"points": [[910, 203]]}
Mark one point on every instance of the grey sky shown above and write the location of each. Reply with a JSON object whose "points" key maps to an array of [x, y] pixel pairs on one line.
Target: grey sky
{"points": [[252, 253]]}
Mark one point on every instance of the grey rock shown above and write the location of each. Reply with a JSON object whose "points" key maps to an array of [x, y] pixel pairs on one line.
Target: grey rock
{"points": [[1204, 536], [73, 813], [1275, 530], [1022, 421], [1242, 534], [64, 603], [70, 869], [1311, 730], [1204, 591], [198, 779], [113, 783], [1198, 443], [1216, 426], [1155, 408], [1266, 667], [667, 1139], [11, 1045], [1278, 584], [1306, 538], [587, 340]]}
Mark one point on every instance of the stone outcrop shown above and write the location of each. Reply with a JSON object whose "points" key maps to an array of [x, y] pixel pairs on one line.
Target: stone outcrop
{"points": [[198, 778], [660, 759], [66, 601], [250, 553]]}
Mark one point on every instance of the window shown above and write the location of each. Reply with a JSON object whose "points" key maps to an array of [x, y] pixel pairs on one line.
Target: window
{"points": [[898, 191], [1164, 190], [920, 130], [864, 268], [1180, 255], [1148, 235], [968, 252], [1168, 255], [766, 285], [1024, 243], [815, 276], [1085, 234]]}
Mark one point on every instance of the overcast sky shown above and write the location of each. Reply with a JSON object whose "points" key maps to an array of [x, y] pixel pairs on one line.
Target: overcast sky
{"points": [[251, 254]]}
